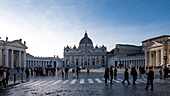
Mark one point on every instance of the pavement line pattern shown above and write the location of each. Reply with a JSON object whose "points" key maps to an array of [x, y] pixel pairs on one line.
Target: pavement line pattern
{"points": [[39, 83], [81, 81], [98, 80], [90, 81], [24, 83], [73, 81], [32, 83], [142, 81], [56, 82], [47, 83], [117, 81], [65, 81]]}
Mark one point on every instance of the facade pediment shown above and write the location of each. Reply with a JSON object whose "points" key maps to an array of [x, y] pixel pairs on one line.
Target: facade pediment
{"points": [[17, 44], [153, 45]]}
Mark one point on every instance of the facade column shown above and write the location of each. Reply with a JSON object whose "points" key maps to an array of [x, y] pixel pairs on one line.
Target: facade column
{"points": [[74, 60], [157, 58], [146, 58], [95, 60], [90, 60], [150, 58], [25, 59], [105, 60], [46, 64], [6, 57], [19, 58], [64, 62], [70, 61], [12, 59], [1, 56], [79, 60], [162, 57], [83, 60]]}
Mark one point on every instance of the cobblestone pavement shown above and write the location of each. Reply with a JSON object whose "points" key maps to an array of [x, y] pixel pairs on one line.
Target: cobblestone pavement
{"points": [[92, 85]]}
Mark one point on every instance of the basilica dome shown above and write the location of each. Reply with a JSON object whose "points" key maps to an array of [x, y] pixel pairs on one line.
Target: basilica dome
{"points": [[86, 40]]}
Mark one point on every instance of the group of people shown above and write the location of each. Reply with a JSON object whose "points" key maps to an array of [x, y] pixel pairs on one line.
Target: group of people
{"points": [[40, 71], [4, 76], [112, 72], [64, 71], [149, 73]]}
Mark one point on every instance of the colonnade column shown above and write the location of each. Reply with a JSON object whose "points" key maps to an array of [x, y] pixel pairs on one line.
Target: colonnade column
{"points": [[19, 58], [70, 61], [64, 62], [157, 58], [83, 60], [1, 56], [24, 59], [95, 60], [90, 60], [12, 59], [105, 60], [150, 58], [6, 57], [162, 56], [87, 61]]}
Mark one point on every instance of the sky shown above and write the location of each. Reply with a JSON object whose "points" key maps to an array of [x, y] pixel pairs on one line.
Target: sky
{"points": [[48, 26]]}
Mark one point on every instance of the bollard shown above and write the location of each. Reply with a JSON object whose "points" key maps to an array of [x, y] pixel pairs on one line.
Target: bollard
{"points": [[14, 78]]}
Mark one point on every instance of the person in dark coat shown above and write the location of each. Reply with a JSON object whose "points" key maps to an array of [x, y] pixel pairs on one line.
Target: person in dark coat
{"points": [[150, 78], [31, 72], [77, 71], [111, 75], [160, 72], [106, 74], [66, 72], [115, 73], [7, 75], [134, 74], [126, 76], [143, 72], [27, 72], [166, 70]]}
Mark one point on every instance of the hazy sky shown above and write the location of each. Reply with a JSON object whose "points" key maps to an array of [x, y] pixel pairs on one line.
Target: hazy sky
{"points": [[49, 25]]}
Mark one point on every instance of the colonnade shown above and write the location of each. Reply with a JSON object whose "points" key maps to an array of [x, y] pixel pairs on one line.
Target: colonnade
{"points": [[84, 61], [154, 57], [12, 58], [137, 63]]}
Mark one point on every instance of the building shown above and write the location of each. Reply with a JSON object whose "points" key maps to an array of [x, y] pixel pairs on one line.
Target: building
{"points": [[126, 55], [13, 53], [51, 62], [157, 50], [85, 55]]}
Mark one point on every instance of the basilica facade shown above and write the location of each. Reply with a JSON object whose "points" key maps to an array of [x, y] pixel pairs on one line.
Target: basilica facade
{"points": [[86, 55]]}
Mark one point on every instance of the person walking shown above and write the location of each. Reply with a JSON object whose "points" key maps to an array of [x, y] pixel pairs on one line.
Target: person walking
{"points": [[88, 70], [111, 75], [77, 71], [134, 74], [143, 72], [66, 72], [7, 75], [31, 72], [126, 76], [115, 73], [27, 72], [62, 72], [150, 78], [4, 78], [106, 74], [160, 72], [166, 70], [73, 71]]}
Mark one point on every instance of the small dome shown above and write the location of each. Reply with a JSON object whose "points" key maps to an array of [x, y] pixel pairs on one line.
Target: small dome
{"points": [[85, 40]]}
